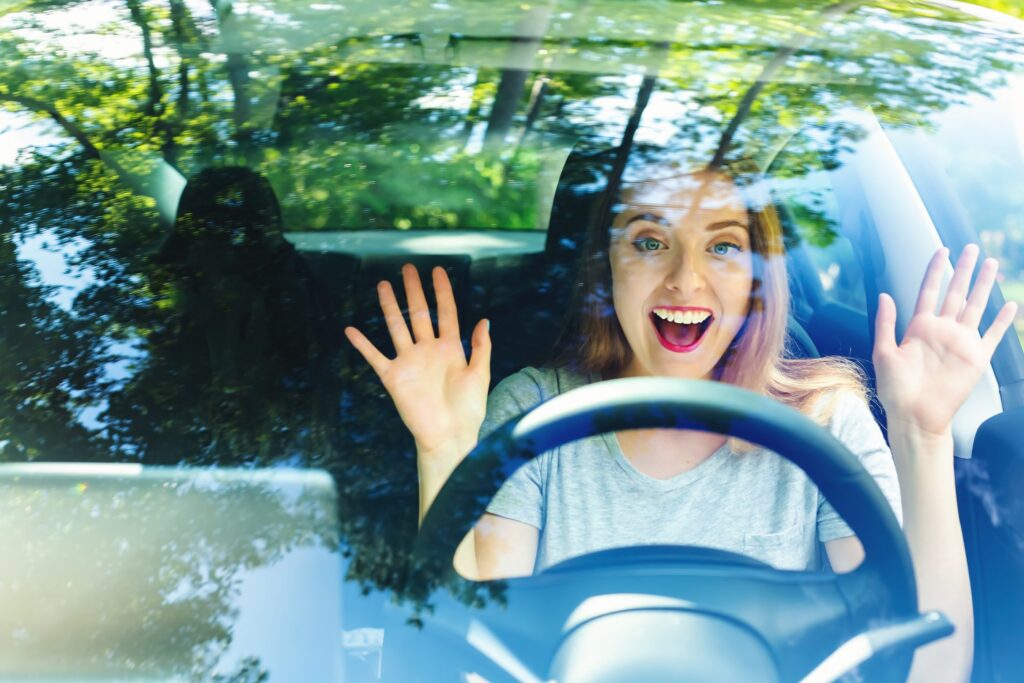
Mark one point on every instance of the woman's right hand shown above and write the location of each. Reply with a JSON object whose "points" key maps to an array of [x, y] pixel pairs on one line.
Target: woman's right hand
{"points": [[440, 396]]}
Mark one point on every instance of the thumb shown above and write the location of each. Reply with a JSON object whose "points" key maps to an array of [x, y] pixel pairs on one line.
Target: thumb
{"points": [[480, 357], [885, 326]]}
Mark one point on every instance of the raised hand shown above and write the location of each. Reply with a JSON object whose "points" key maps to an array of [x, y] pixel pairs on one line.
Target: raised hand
{"points": [[440, 396], [923, 380]]}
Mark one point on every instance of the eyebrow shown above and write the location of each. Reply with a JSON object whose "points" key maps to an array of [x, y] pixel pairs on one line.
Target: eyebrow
{"points": [[650, 217], [711, 227], [722, 225]]}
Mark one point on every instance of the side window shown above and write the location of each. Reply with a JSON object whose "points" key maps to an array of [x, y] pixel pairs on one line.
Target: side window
{"points": [[975, 147], [823, 258], [826, 279], [1009, 249], [840, 276]]}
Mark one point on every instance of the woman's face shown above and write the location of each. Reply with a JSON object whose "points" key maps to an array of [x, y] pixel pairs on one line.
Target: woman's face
{"points": [[682, 271]]}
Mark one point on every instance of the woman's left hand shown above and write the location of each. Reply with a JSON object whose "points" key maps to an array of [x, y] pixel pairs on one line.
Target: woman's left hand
{"points": [[923, 380]]}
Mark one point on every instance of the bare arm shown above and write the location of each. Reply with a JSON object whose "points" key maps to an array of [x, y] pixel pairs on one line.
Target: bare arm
{"points": [[922, 382], [504, 547], [497, 547], [440, 395], [932, 526], [844, 554]]}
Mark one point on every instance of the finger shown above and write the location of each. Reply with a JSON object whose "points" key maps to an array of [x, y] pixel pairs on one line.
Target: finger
{"points": [[393, 317], [956, 293], [480, 357], [999, 326], [978, 299], [447, 313], [419, 313], [929, 293], [377, 360], [885, 326]]}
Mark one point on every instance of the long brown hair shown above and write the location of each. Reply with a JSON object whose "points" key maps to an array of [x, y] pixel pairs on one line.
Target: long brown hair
{"points": [[757, 358]]}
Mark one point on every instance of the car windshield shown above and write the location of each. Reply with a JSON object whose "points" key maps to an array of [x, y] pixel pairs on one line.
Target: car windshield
{"points": [[197, 199]]}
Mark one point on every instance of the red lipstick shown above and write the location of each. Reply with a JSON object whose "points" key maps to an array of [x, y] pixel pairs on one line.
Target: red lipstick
{"points": [[671, 335]]}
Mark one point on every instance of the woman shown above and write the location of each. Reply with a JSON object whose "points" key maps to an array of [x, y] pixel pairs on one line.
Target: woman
{"points": [[695, 277]]}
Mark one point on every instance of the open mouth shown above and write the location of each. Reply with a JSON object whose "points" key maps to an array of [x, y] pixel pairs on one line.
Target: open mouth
{"points": [[681, 330]]}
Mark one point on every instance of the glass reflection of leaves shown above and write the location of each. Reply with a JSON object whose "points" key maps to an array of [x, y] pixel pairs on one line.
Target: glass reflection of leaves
{"points": [[340, 147], [141, 579]]}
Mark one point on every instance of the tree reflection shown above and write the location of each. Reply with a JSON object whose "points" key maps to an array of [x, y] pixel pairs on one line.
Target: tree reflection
{"points": [[119, 578], [236, 361], [368, 123]]}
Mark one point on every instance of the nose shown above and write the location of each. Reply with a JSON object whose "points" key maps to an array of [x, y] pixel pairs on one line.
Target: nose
{"points": [[686, 274]]}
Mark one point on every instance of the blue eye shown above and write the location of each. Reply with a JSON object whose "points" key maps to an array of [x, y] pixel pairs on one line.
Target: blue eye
{"points": [[723, 248], [647, 244]]}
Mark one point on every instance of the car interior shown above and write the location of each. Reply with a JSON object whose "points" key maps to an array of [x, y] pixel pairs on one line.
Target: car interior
{"points": [[524, 292], [256, 308]]}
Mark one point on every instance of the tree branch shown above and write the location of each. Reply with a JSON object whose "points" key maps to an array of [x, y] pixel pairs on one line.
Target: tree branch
{"points": [[780, 58]]}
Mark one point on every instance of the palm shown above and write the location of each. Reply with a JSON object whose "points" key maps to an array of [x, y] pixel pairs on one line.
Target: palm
{"points": [[435, 390], [927, 377], [440, 396]]}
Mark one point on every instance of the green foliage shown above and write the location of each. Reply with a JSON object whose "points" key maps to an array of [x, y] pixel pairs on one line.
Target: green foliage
{"points": [[230, 352], [1014, 8], [182, 546]]}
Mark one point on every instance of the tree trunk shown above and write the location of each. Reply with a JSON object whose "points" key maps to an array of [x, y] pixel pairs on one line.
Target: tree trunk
{"points": [[643, 96], [522, 51], [537, 92], [510, 89], [153, 105], [778, 60]]}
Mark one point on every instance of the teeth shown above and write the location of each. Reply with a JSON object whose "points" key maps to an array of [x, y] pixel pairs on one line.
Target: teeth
{"points": [[682, 317]]}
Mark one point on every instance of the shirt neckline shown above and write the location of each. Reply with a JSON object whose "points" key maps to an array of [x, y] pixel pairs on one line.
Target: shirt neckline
{"points": [[711, 464]]}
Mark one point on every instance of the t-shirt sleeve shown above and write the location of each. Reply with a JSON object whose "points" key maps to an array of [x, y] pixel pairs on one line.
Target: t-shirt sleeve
{"points": [[521, 497], [854, 425]]}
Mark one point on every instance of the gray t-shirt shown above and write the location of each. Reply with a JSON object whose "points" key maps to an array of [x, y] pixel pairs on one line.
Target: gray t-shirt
{"points": [[586, 496]]}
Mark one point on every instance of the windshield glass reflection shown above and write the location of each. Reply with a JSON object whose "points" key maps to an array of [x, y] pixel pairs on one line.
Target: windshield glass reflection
{"points": [[173, 274]]}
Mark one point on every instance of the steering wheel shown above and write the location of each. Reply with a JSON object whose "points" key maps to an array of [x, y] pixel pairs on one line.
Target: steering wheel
{"points": [[810, 625]]}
